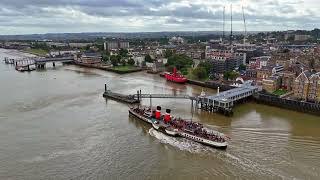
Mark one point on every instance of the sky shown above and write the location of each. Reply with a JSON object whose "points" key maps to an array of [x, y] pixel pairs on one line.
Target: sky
{"points": [[60, 16]]}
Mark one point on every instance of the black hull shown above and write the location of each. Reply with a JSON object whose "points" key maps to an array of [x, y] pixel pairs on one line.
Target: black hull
{"points": [[162, 130]]}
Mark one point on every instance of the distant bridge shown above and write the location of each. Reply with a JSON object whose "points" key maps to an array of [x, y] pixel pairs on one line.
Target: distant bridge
{"points": [[47, 60]]}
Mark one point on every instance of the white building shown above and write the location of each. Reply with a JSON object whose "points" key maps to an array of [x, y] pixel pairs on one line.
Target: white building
{"points": [[115, 45], [277, 69]]}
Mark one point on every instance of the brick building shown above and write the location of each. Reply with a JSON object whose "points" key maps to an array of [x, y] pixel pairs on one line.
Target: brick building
{"points": [[307, 86]]}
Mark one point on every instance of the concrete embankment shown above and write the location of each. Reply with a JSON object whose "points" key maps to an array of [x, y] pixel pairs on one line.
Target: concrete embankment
{"points": [[300, 106], [211, 84], [306, 107], [108, 68]]}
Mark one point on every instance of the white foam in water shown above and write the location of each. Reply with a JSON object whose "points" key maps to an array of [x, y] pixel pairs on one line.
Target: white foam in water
{"points": [[194, 147], [180, 143], [252, 166]]}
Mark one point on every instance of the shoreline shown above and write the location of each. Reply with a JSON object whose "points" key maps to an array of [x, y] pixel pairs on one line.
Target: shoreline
{"points": [[261, 98], [265, 99], [107, 68], [31, 53], [17, 53]]}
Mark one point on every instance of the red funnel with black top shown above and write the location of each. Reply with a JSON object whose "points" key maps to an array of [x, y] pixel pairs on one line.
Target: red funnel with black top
{"points": [[167, 117], [158, 113]]}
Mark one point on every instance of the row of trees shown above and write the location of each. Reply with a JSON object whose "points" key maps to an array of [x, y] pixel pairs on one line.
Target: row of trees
{"points": [[203, 71], [121, 59], [181, 61], [230, 75], [117, 59], [40, 45]]}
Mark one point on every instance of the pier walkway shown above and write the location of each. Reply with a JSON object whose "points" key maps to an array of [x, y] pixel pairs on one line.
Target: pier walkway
{"points": [[227, 99], [220, 102], [165, 96]]}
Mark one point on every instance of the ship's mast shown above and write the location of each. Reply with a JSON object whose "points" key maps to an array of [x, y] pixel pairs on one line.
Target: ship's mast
{"points": [[245, 27], [231, 34], [224, 23]]}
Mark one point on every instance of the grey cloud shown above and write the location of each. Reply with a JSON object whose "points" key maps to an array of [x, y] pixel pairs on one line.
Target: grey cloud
{"points": [[47, 14]]}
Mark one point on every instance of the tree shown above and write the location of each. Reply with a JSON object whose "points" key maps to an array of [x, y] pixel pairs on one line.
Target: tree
{"points": [[242, 67], [143, 64], [226, 75], [180, 61], [233, 75], [131, 62], [123, 52], [123, 62], [41, 45], [87, 48], [184, 71], [105, 58], [168, 53], [148, 59], [200, 73], [114, 60], [119, 57], [207, 65], [100, 47], [230, 75]]}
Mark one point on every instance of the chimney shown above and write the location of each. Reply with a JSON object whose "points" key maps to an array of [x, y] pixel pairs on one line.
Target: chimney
{"points": [[167, 117], [158, 112]]}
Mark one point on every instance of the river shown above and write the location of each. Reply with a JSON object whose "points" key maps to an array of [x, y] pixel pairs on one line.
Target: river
{"points": [[54, 124]]}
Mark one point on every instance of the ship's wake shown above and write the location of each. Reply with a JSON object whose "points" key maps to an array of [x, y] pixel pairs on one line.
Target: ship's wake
{"points": [[230, 157], [180, 143]]}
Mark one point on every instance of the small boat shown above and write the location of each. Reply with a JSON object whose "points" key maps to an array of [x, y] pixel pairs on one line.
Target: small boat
{"points": [[24, 68], [175, 77], [178, 127]]}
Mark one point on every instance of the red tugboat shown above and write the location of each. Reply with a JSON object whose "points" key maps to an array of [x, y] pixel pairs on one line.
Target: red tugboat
{"points": [[175, 77]]}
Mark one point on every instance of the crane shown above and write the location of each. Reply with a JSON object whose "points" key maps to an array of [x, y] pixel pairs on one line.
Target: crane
{"points": [[245, 26]]}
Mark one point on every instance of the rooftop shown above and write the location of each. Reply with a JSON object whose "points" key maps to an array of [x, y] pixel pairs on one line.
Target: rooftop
{"points": [[227, 95]]}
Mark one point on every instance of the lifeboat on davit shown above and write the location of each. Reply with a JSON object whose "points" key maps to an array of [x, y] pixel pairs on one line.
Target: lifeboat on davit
{"points": [[175, 77]]}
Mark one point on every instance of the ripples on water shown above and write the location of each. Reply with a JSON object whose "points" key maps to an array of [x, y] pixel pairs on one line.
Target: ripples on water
{"points": [[261, 151], [70, 131]]}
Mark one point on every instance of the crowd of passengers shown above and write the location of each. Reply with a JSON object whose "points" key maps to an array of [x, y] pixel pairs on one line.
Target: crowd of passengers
{"points": [[141, 111], [196, 129], [193, 127]]}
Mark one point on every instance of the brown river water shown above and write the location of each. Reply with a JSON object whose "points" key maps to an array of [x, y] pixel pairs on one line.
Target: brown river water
{"points": [[54, 124]]}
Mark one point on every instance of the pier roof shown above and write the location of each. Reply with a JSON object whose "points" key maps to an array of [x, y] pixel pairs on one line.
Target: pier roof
{"points": [[232, 94]]}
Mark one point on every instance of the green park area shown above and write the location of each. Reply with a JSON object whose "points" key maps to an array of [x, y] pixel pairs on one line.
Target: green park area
{"points": [[124, 68], [40, 52], [280, 92], [185, 64]]}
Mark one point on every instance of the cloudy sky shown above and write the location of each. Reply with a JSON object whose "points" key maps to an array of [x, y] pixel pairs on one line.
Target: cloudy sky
{"points": [[55, 16]]}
